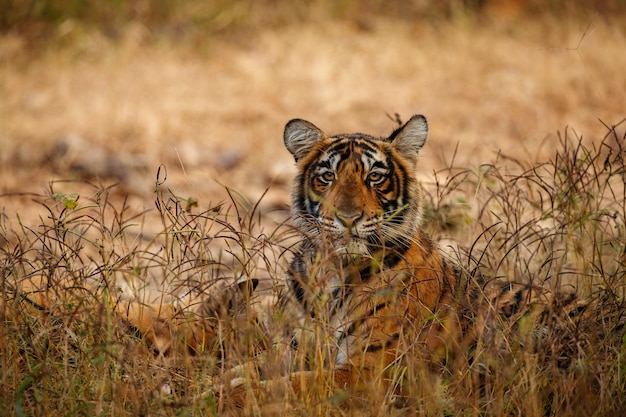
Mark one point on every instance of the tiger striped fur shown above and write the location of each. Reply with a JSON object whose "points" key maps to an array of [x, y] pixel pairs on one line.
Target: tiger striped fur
{"points": [[367, 287]]}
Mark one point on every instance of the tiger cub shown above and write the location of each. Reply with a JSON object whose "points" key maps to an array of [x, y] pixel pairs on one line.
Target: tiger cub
{"points": [[368, 289], [373, 315], [366, 277]]}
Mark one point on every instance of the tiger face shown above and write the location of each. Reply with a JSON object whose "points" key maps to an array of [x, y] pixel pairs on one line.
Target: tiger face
{"points": [[356, 189]]}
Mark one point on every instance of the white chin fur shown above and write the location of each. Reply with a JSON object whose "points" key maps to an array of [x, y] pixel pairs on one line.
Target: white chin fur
{"points": [[352, 248]]}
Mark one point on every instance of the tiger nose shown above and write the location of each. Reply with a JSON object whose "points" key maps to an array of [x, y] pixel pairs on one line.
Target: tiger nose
{"points": [[348, 219]]}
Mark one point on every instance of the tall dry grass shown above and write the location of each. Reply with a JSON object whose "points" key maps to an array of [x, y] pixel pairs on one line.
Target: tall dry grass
{"points": [[67, 349], [106, 94], [559, 223]]}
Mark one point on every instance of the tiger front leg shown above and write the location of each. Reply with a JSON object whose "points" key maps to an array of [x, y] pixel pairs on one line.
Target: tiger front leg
{"points": [[242, 388]]}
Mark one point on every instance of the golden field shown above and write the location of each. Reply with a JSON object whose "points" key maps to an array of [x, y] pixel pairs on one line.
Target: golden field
{"points": [[136, 141]]}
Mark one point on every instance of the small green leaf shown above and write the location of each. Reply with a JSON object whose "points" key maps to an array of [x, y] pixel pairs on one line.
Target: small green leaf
{"points": [[69, 203]]}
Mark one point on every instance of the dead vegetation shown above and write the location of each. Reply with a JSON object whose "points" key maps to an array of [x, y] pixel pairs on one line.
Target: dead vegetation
{"points": [[559, 224], [91, 113]]}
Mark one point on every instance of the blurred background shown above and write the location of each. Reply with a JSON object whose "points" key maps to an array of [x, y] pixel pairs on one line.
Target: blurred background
{"points": [[110, 92]]}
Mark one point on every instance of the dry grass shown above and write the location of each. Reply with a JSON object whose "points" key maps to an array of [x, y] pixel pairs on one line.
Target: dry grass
{"points": [[559, 224], [67, 349], [508, 194]]}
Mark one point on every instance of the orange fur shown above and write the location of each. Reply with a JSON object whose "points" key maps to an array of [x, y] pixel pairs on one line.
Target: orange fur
{"points": [[166, 328]]}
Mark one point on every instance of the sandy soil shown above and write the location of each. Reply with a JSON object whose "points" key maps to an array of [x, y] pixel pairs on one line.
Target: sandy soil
{"points": [[212, 113]]}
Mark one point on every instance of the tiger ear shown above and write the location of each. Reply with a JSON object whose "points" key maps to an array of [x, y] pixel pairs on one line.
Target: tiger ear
{"points": [[300, 136], [411, 137]]}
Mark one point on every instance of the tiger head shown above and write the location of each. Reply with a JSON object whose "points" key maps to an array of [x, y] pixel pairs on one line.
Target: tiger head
{"points": [[356, 189]]}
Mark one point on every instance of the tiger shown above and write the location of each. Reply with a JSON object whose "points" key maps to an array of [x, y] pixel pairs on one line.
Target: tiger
{"points": [[365, 275], [166, 327], [367, 287], [365, 264]]}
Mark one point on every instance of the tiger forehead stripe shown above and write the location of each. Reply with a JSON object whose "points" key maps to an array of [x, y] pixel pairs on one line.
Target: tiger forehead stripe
{"points": [[347, 147], [350, 144]]}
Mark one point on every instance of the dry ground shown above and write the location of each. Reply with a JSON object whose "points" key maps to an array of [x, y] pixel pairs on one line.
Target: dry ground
{"points": [[212, 111]]}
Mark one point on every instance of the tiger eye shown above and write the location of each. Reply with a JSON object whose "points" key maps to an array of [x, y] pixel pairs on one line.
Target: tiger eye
{"points": [[327, 176], [375, 177]]}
